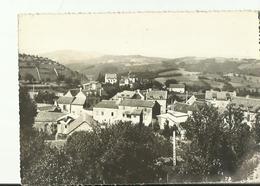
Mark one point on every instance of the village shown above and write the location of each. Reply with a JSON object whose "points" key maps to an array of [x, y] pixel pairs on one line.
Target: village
{"points": [[85, 106]]}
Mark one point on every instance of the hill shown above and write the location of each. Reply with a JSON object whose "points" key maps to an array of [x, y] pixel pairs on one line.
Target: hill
{"points": [[71, 56], [44, 69]]}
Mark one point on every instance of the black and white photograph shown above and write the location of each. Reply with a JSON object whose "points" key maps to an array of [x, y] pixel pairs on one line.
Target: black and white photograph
{"points": [[139, 97]]}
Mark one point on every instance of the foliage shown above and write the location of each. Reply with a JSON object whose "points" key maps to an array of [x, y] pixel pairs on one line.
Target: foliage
{"points": [[170, 81], [257, 128], [218, 143], [121, 153], [45, 97], [101, 77], [29, 77]]}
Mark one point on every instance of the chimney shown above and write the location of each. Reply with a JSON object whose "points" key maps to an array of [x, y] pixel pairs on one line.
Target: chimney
{"points": [[137, 90], [80, 89], [100, 92]]}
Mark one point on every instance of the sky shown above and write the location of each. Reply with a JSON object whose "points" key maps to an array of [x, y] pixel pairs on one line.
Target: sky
{"points": [[170, 35]]}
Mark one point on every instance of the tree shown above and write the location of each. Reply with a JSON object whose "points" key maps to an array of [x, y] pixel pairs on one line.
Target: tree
{"points": [[121, 153], [101, 77], [257, 128], [170, 81], [29, 77], [217, 143], [31, 142]]}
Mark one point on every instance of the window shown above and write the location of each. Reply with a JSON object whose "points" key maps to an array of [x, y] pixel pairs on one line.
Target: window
{"points": [[102, 113], [123, 115], [112, 113]]}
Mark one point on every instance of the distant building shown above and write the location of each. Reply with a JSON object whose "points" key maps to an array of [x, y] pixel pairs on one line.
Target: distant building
{"points": [[91, 85], [219, 99], [128, 80], [250, 107], [180, 88], [111, 78], [127, 94]]}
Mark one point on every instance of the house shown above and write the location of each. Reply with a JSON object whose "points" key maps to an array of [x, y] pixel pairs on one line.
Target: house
{"points": [[149, 108], [77, 105], [124, 81], [128, 80], [250, 107], [127, 94], [178, 113], [105, 111], [180, 88], [64, 103], [45, 121], [219, 99], [91, 85], [195, 97], [134, 110], [70, 125], [158, 95], [92, 97], [111, 78]]}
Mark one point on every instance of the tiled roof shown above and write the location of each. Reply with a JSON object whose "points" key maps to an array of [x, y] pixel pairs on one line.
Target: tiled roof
{"points": [[46, 116], [156, 95], [65, 100], [184, 108], [110, 76], [124, 94], [79, 121], [252, 104], [79, 101], [137, 103], [106, 104]]}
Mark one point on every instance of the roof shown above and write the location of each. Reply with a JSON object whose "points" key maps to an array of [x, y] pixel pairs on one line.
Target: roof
{"points": [[111, 76], [46, 116], [156, 95], [74, 92], [46, 108], [124, 94], [252, 104], [79, 101], [184, 108], [176, 86], [79, 121], [65, 100], [107, 104], [137, 103], [223, 95]]}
